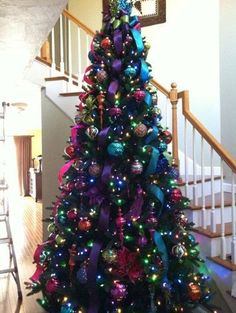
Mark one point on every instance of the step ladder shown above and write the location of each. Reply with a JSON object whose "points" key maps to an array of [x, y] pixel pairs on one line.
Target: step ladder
{"points": [[5, 235]]}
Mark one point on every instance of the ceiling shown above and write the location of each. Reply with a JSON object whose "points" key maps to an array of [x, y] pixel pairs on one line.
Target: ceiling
{"points": [[24, 25]]}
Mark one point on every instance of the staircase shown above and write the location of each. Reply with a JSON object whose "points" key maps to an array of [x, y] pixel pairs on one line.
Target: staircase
{"points": [[207, 170]]}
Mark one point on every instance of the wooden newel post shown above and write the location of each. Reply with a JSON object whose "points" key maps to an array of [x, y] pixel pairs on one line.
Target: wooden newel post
{"points": [[45, 52], [174, 101]]}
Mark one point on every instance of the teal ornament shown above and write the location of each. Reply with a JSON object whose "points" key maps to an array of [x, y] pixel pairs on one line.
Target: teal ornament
{"points": [[162, 146], [67, 308], [130, 72], [115, 148]]}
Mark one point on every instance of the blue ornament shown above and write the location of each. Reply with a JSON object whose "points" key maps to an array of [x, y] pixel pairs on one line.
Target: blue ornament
{"points": [[66, 308], [130, 72], [162, 146], [115, 148], [174, 172]]}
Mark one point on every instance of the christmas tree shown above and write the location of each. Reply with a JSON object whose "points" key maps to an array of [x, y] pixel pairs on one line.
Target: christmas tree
{"points": [[119, 240]]}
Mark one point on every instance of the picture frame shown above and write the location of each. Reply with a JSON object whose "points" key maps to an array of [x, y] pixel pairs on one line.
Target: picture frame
{"points": [[150, 11]]}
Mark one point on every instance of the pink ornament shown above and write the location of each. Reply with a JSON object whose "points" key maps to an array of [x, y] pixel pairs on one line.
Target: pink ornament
{"points": [[72, 214], [95, 169], [141, 130], [115, 111], [106, 43], [118, 291], [120, 221], [176, 195], [139, 95], [136, 167], [52, 284], [101, 76], [142, 241], [166, 136]]}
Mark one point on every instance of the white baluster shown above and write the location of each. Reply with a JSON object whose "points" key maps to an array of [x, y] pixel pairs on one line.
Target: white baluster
{"points": [[79, 57], [213, 216], [195, 195], [62, 64], [69, 52], [222, 219], [233, 246], [88, 40], [204, 220], [186, 158], [53, 66]]}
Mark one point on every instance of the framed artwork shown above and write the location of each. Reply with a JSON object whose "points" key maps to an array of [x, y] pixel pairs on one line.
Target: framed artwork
{"points": [[150, 11]]}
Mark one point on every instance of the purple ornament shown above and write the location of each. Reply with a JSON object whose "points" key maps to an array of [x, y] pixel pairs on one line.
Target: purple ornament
{"points": [[115, 112], [142, 241], [139, 95], [118, 291]]}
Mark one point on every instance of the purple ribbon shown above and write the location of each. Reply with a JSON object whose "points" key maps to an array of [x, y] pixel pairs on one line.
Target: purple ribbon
{"points": [[112, 89], [118, 41], [116, 66], [102, 136], [106, 173], [95, 196], [136, 208]]}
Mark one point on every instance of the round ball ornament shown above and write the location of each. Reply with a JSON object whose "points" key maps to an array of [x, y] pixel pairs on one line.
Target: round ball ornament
{"points": [[194, 292], [142, 241], [101, 76], [66, 308], [84, 224], [70, 151], [115, 149], [139, 95], [72, 214], [166, 136], [91, 132], [106, 43], [52, 285], [82, 276], [118, 291], [179, 251], [141, 130], [130, 72], [162, 146], [176, 195], [115, 112], [51, 228], [60, 240], [110, 256], [95, 169], [136, 167]]}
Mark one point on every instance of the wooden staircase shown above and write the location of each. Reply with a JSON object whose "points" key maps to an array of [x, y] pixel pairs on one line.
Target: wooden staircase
{"points": [[207, 169]]}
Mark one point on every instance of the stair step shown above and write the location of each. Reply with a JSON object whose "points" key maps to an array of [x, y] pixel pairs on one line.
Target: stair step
{"points": [[208, 199], [71, 94], [208, 233], [182, 183], [65, 78], [225, 263]]}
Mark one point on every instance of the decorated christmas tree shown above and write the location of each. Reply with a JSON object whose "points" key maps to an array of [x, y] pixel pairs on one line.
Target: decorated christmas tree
{"points": [[119, 240]]}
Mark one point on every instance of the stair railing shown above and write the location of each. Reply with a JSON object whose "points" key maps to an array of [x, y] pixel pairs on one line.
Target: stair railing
{"points": [[202, 156]]}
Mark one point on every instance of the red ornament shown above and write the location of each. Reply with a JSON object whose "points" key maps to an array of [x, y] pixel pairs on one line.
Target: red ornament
{"points": [[70, 151], [141, 130], [194, 292], [166, 136], [84, 225], [139, 95], [72, 214], [176, 195], [52, 285], [106, 43]]}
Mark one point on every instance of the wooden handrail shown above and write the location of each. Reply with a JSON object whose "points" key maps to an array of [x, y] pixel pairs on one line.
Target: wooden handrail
{"points": [[160, 88], [222, 152], [71, 17]]}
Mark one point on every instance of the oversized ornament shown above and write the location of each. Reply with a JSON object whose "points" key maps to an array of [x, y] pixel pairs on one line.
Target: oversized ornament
{"points": [[139, 95], [52, 285], [84, 224], [140, 130], [176, 195], [101, 76], [115, 112], [109, 256], [95, 169], [178, 250], [142, 241], [91, 132], [166, 136], [115, 148], [72, 214], [130, 72], [106, 43], [136, 167], [194, 292], [82, 276], [118, 291], [70, 151]]}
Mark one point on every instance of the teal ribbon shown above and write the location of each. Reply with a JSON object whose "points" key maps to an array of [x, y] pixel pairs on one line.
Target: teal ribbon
{"points": [[151, 168], [138, 40], [133, 21], [148, 99], [152, 136], [144, 72], [162, 248], [157, 192]]}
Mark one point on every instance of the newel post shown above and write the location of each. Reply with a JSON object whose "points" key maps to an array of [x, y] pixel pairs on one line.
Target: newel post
{"points": [[174, 101], [45, 52]]}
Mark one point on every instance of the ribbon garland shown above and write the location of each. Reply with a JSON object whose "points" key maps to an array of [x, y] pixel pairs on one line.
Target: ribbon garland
{"points": [[118, 41], [148, 99], [102, 136], [112, 89], [136, 208], [65, 168], [138, 40], [152, 136], [157, 193], [144, 72], [151, 168]]}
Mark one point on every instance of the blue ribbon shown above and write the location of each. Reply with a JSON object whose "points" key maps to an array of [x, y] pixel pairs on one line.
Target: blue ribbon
{"points": [[148, 99], [133, 21], [144, 72], [152, 136], [162, 248], [138, 40], [157, 192], [151, 168]]}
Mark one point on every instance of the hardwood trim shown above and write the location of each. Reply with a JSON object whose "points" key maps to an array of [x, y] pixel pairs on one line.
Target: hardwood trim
{"points": [[223, 153], [160, 88], [208, 233], [225, 263], [70, 94], [71, 17], [48, 79]]}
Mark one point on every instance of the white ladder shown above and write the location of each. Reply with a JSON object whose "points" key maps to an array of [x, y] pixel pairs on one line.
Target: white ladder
{"points": [[6, 238]]}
